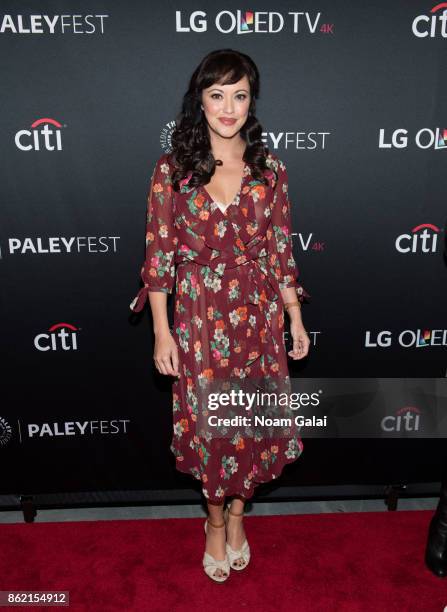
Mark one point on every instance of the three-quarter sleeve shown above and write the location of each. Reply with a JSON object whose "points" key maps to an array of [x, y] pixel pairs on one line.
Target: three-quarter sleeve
{"points": [[158, 270], [279, 237]]}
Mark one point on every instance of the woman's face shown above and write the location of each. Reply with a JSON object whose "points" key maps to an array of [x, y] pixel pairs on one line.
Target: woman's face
{"points": [[226, 107]]}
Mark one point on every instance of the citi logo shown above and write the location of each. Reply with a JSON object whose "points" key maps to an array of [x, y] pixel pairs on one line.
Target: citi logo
{"points": [[431, 25], [408, 338], [60, 337], [422, 239], [44, 134], [253, 22], [425, 138], [406, 419]]}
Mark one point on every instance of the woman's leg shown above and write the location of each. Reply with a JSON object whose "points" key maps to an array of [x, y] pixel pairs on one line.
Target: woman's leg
{"points": [[216, 537], [235, 526]]}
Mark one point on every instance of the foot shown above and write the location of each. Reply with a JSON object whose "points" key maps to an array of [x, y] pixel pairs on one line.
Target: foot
{"points": [[235, 534], [215, 544]]}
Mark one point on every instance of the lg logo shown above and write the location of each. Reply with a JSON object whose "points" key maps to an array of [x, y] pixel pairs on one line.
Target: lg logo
{"points": [[249, 22], [425, 138], [408, 338]]}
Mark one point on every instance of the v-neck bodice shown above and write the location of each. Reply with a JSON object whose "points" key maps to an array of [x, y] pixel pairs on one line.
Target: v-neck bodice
{"points": [[223, 207], [189, 227]]}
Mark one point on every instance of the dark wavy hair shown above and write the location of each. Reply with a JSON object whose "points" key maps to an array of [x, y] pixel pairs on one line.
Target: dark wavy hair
{"points": [[191, 148]]}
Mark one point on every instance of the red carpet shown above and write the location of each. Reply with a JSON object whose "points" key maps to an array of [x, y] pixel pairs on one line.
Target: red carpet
{"points": [[342, 562]]}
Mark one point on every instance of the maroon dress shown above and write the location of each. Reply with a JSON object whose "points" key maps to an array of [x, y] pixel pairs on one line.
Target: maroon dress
{"points": [[227, 269]]}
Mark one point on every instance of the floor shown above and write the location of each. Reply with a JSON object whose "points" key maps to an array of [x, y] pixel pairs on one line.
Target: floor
{"points": [[196, 510]]}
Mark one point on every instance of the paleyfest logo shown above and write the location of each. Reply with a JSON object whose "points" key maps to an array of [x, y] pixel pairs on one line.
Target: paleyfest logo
{"points": [[44, 134], [432, 25], [166, 136], [52, 24], [300, 141], [5, 432]]}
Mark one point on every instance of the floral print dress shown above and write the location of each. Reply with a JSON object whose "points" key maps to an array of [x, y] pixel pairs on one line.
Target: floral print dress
{"points": [[226, 269]]}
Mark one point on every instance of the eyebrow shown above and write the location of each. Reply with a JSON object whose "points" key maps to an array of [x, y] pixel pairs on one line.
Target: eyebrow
{"points": [[217, 89]]}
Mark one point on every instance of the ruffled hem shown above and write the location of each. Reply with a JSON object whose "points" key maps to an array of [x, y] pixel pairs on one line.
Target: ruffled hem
{"points": [[230, 491]]}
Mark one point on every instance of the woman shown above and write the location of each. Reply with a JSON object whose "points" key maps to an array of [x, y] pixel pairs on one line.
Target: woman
{"points": [[219, 230]]}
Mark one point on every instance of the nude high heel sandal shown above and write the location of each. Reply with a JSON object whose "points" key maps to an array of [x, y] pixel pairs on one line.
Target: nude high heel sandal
{"points": [[241, 553], [210, 564]]}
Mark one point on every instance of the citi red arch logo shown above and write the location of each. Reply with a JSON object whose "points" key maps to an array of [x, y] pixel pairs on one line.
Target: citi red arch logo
{"points": [[422, 239], [406, 419], [44, 134], [60, 337], [431, 25]]}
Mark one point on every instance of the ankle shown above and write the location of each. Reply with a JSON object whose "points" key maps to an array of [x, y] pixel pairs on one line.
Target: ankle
{"points": [[216, 525], [232, 513]]}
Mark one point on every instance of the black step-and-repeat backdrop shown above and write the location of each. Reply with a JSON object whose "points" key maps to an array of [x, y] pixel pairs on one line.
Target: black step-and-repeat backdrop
{"points": [[353, 99]]}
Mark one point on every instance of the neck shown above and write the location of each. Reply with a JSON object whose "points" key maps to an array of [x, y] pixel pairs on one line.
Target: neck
{"points": [[227, 149]]}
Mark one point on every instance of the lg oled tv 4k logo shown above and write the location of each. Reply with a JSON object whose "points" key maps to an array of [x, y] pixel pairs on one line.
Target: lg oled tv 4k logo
{"points": [[254, 22], [425, 138], [432, 25], [421, 239], [44, 134], [407, 338], [60, 337]]}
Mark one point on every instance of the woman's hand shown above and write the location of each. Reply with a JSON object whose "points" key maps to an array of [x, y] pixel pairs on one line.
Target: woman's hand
{"points": [[166, 354], [301, 340]]}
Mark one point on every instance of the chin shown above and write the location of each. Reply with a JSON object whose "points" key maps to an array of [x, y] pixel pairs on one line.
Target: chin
{"points": [[227, 130]]}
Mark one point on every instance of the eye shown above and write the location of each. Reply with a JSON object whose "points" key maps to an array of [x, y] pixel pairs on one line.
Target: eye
{"points": [[241, 96]]}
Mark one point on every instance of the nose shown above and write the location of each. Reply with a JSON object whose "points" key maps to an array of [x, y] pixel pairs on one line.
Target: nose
{"points": [[228, 105]]}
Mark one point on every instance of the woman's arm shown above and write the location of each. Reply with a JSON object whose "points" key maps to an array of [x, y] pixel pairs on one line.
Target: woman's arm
{"points": [[165, 349], [283, 264], [158, 302], [158, 270]]}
